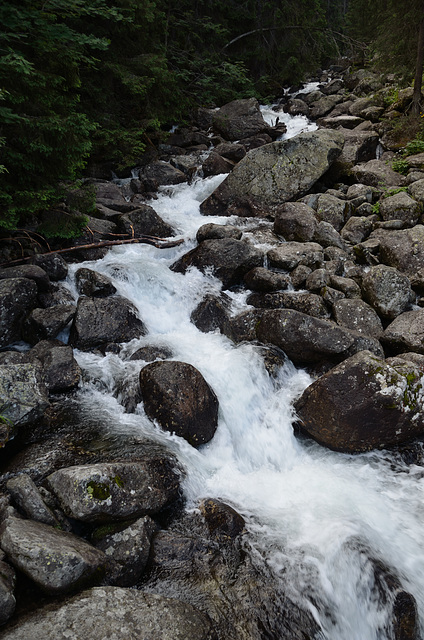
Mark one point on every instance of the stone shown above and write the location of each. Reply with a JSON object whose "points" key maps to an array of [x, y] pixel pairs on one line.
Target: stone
{"points": [[359, 316], [18, 296], [416, 190], [27, 497], [61, 372], [357, 229], [92, 284], [295, 221], [229, 259], [263, 280], [400, 207], [215, 164], [149, 353], [58, 294], [348, 286], [406, 332], [290, 255], [57, 561], [115, 491], [403, 250], [127, 552], [114, 612], [326, 235], [305, 302], [387, 290], [242, 327], [23, 398], [7, 588], [102, 320], [360, 146], [53, 264], [46, 324], [239, 119], [303, 338], [323, 106], [332, 210], [212, 231], [232, 151], [223, 521], [144, 221], [377, 173], [363, 404], [277, 172], [29, 271], [177, 396], [164, 173], [212, 313]]}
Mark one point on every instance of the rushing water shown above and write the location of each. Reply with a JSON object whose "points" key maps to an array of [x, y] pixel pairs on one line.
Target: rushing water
{"points": [[314, 516]]}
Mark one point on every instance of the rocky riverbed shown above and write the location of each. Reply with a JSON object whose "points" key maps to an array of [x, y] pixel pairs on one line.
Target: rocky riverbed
{"points": [[325, 245]]}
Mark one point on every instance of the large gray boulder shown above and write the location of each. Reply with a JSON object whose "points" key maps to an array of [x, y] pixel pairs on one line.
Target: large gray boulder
{"points": [[57, 561], [364, 403], [102, 320], [229, 259], [23, 398], [303, 338], [239, 119], [114, 491], [387, 290], [18, 296], [114, 612], [179, 398], [277, 172]]}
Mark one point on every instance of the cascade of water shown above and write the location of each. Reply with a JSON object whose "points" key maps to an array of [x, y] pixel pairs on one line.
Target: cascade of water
{"points": [[314, 516]]}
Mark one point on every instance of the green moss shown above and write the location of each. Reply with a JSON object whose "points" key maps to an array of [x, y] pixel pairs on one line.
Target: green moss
{"points": [[118, 481], [99, 490]]}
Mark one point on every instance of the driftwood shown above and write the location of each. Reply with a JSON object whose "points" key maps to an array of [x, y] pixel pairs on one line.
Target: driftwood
{"points": [[160, 243]]}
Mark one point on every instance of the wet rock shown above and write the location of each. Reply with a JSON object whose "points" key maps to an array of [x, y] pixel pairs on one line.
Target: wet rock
{"points": [[243, 326], [127, 551], [28, 498], [277, 172], [57, 561], [362, 404], [299, 275], [18, 296], [295, 221], [46, 324], [406, 332], [234, 152], [212, 231], [216, 164], [114, 612], [387, 290], [29, 271], [150, 353], [23, 397], [289, 255], [58, 294], [164, 173], [222, 520], [303, 338], [229, 259], [61, 371], [239, 119], [309, 303], [359, 316], [102, 320], [92, 284], [211, 313], [176, 395], [7, 587], [108, 492], [264, 280], [400, 207], [144, 221], [53, 264]]}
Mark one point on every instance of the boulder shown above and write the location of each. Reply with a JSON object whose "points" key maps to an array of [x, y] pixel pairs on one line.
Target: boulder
{"points": [[23, 398], [58, 294], [377, 173], [92, 284], [387, 290], [177, 396], [357, 229], [114, 612], [46, 324], [277, 172], [150, 353], [242, 327], [363, 403], [343, 121], [127, 551], [323, 106], [144, 221], [229, 259], [61, 372], [403, 250], [239, 119], [29, 271], [18, 296], [406, 332], [53, 264], [102, 320], [27, 497], [305, 302], [7, 588], [295, 221], [212, 313], [109, 492], [326, 235], [163, 172], [333, 210], [232, 151], [215, 164], [360, 146], [416, 190], [359, 316], [264, 280], [289, 255], [57, 561], [400, 207], [212, 231], [222, 520], [303, 338]]}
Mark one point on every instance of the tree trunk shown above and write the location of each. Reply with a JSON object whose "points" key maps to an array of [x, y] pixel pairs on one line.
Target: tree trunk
{"points": [[416, 97]]}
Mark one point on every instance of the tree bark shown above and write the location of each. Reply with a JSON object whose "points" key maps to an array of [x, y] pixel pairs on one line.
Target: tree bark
{"points": [[416, 97]]}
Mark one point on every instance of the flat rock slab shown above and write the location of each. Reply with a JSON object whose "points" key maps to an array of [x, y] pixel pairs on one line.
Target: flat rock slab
{"points": [[108, 492], [364, 403], [277, 172], [55, 560]]}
